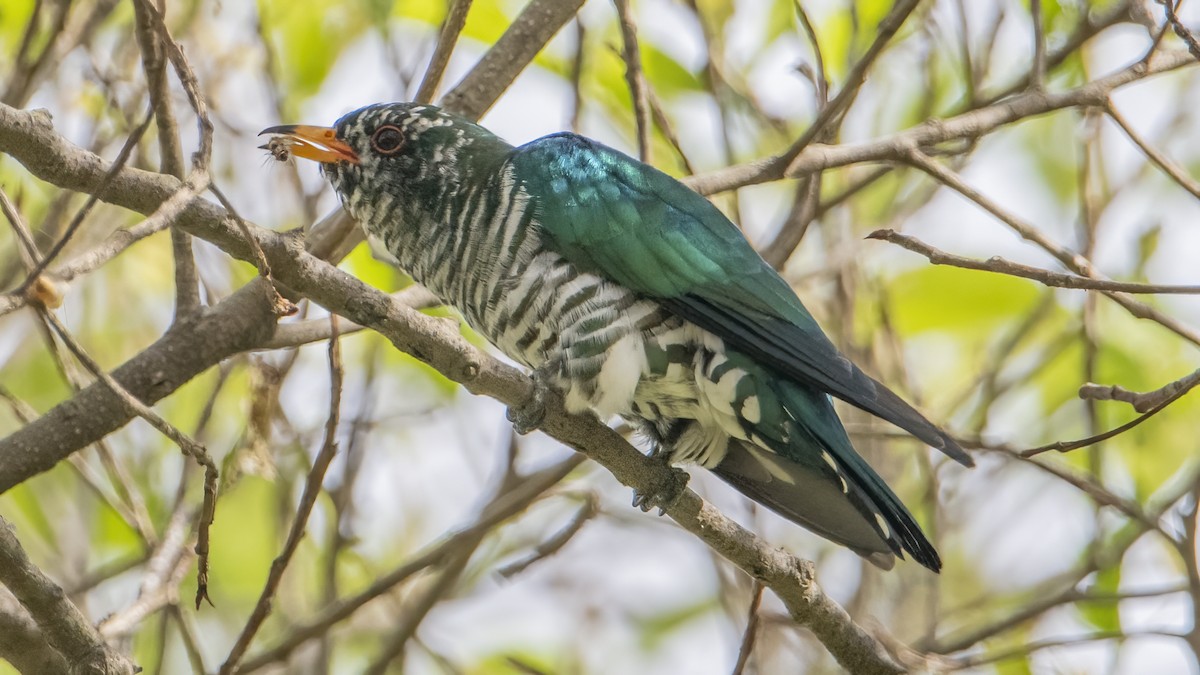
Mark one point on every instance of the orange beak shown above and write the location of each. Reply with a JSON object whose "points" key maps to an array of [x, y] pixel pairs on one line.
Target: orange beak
{"points": [[316, 143]]}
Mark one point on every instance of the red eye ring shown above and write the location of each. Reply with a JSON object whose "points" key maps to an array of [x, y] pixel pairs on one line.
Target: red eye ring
{"points": [[387, 140]]}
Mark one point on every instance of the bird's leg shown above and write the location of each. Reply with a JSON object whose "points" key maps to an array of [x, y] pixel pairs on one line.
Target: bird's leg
{"points": [[665, 494], [527, 416]]}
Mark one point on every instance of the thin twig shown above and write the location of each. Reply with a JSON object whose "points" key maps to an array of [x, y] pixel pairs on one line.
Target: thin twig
{"points": [[189, 447], [1037, 76], [312, 489], [635, 78], [1181, 30], [972, 124], [1176, 172], [1073, 261], [1045, 277], [1023, 651], [94, 197], [452, 27], [500, 509], [750, 634], [170, 153], [1141, 402], [886, 30], [417, 608], [187, 78], [115, 244], [1067, 446], [283, 306], [555, 542]]}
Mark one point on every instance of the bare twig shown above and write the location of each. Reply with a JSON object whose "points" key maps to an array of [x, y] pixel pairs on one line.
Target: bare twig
{"points": [[170, 153], [1066, 446], [501, 508], [1141, 402], [312, 489], [456, 18], [1180, 29], [93, 198], [1037, 76], [283, 306], [187, 78], [635, 78], [972, 124], [1073, 261], [417, 608], [67, 630], [886, 30], [555, 542], [751, 632], [112, 246], [1023, 651], [529, 32], [1176, 172], [189, 447], [1046, 277]]}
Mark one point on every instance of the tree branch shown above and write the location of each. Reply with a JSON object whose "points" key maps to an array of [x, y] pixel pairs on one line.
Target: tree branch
{"points": [[968, 125], [64, 626], [529, 32], [1045, 277]]}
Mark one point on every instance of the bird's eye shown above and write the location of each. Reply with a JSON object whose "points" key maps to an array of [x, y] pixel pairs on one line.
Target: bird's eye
{"points": [[387, 140]]}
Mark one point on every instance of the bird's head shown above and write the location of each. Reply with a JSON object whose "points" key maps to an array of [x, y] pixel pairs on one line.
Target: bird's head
{"points": [[408, 150]]}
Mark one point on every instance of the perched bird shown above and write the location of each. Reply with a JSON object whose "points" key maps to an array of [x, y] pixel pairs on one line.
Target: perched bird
{"points": [[631, 295]]}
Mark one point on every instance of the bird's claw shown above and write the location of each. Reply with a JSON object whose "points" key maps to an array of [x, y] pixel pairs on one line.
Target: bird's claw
{"points": [[529, 415], [664, 495]]}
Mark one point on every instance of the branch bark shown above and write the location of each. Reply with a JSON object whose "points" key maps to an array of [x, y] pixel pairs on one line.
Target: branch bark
{"points": [[512, 53], [60, 621]]}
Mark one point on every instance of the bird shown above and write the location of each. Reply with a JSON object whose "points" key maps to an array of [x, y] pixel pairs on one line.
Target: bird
{"points": [[630, 295]]}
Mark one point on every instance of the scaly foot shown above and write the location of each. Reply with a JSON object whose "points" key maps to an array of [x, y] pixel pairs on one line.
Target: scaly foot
{"points": [[527, 416], [665, 494]]}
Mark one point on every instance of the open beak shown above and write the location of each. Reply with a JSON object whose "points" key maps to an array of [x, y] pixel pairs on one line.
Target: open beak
{"points": [[316, 143]]}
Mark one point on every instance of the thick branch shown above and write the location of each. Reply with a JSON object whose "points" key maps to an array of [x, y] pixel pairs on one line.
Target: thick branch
{"points": [[22, 643], [61, 622], [532, 29], [241, 322]]}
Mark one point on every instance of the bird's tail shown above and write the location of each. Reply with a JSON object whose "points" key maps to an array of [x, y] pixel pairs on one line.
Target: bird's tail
{"points": [[800, 464]]}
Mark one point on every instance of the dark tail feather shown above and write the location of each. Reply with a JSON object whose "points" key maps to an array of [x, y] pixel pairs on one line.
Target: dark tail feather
{"points": [[857, 511]]}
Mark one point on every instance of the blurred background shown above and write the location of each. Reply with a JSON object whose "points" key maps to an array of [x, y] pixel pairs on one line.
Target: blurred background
{"points": [[1072, 562]]}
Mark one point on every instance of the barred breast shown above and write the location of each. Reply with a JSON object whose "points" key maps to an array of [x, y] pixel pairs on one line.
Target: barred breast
{"points": [[606, 348]]}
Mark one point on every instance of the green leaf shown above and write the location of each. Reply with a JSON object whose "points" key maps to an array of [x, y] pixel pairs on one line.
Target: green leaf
{"points": [[14, 17], [1147, 246], [665, 74], [658, 628], [309, 36], [244, 541], [1104, 615], [935, 297]]}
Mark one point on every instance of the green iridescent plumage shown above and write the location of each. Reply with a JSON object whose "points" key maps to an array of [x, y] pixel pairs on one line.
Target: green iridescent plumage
{"points": [[625, 219]]}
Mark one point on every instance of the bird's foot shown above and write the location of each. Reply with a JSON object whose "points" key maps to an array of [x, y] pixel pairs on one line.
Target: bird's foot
{"points": [[666, 493], [529, 415]]}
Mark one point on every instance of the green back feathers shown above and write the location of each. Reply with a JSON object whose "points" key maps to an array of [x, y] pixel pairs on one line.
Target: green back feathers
{"points": [[613, 215]]}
